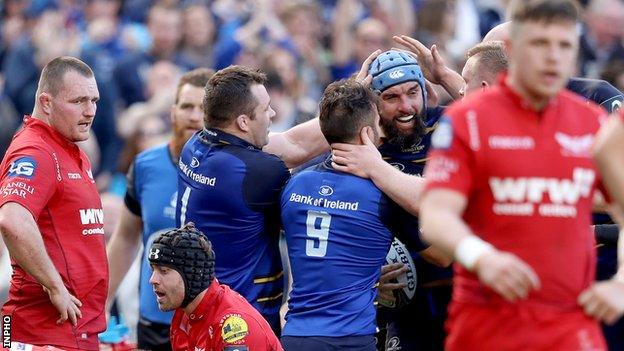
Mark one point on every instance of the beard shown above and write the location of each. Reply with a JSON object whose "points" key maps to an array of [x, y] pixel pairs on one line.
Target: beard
{"points": [[398, 138]]}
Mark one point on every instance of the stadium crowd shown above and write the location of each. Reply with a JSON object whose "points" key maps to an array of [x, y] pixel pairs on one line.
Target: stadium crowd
{"points": [[151, 61]]}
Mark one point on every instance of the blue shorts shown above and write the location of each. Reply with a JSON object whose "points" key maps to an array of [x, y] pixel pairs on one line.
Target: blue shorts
{"points": [[326, 343]]}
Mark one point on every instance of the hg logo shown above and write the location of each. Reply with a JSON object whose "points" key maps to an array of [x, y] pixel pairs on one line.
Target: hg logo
{"points": [[23, 167]]}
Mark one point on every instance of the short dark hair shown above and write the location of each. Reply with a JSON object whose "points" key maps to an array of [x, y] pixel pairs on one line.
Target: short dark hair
{"points": [[53, 74], [491, 56], [345, 108], [198, 78], [228, 95], [545, 11]]}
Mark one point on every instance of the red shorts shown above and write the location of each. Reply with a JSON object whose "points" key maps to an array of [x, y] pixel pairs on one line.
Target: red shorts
{"points": [[511, 327]]}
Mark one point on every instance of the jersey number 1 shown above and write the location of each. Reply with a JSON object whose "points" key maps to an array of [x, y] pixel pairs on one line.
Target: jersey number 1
{"points": [[317, 246]]}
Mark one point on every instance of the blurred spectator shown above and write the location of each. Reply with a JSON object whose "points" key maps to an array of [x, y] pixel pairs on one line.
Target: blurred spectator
{"points": [[353, 40], [601, 40], [304, 31], [9, 120], [199, 35], [286, 90], [160, 90], [102, 45], [145, 123], [165, 27], [50, 37], [614, 74]]}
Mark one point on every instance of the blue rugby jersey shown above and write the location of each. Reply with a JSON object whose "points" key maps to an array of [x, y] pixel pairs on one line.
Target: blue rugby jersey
{"points": [[412, 161], [230, 189], [151, 195], [338, 228]]}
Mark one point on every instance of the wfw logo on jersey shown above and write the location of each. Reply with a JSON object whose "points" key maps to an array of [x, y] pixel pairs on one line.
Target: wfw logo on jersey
{"points": [[396, 74], [519, 196], [576, 146], [92, 216], [23, 167], [326, 190]]}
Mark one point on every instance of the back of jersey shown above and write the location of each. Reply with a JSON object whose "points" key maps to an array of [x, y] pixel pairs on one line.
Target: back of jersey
{"points": [[337, 243]]}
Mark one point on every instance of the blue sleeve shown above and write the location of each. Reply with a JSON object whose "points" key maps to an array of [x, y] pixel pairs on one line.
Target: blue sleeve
{"points": [[271, 172], [402, 224], [132, 199], [266, 177]]}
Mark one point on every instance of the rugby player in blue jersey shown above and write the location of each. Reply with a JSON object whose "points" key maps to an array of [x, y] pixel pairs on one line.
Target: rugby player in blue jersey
{"points": [[338, 228], [230, 188], [150, 208]]}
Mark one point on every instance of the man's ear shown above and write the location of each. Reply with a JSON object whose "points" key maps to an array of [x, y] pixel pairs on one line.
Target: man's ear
{"points": [[242, 122], [45, 101]]}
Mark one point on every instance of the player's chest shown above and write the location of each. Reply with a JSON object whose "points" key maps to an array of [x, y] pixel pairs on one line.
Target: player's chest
{"points": [[534, 151]]}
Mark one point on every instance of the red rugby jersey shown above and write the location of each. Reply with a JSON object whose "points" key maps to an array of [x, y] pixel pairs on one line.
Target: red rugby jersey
{"points": [[51, 177], [223, 320], [529, 179]]}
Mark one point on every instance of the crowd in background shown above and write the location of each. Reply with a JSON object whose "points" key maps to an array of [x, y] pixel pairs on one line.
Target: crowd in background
{"points": [[139, 48]]}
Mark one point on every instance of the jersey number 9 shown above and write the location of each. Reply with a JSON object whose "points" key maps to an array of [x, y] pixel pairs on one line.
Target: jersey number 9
{"points": [[317, 229]]}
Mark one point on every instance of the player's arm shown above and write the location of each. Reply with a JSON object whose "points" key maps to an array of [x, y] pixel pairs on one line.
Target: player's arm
{"points": [[121, 250], [365, 161], [433, 67], [441, 219], [298, 144], [435, 256], [608, 155], [605, 300], [25, 244]]}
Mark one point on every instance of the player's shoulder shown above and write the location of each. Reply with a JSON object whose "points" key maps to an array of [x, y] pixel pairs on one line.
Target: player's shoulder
{"points": [[580, 104], [477, 101], [266, 164], [27, 152], [598, 91], [239, 326], [151, 154]]}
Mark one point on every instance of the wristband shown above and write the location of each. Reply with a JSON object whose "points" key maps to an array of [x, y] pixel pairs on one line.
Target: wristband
{"points": [[469, 249]]}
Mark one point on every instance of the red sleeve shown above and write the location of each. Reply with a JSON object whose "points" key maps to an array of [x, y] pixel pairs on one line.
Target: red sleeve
{"points": [[240, 331], [29, 178], [450, 163]]}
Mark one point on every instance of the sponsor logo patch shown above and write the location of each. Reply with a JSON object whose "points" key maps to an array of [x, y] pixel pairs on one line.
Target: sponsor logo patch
{"points": [[326, 190], [17, 188], [234, 329], [508, 142], [575, 146], [23, 167], [396, 74]]}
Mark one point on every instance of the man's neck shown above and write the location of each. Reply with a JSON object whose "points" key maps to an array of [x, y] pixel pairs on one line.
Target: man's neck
{"points": [[538, 103], [175, 147], [236, 132], [193, 304]]}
